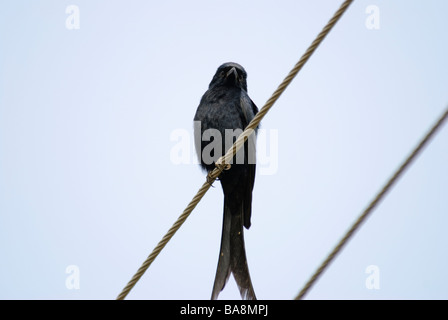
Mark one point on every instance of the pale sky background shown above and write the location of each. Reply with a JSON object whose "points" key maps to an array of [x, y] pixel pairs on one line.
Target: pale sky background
{"points": [[86, 172]]}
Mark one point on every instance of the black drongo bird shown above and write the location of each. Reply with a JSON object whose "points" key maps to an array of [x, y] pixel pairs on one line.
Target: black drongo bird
{"points": [[223, 113]]}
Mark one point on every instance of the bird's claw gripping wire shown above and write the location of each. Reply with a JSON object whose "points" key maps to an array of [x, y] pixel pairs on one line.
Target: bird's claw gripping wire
{"points": [[210, 179], [221, 165]]}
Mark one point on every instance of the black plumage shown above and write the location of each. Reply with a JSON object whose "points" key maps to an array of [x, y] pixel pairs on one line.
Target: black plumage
{"points": [[226, 109]]}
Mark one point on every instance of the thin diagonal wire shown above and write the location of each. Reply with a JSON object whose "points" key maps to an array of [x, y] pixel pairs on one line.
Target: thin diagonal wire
{"points": [[233, 150], [372, 205], [281, 88], [168, 236]]}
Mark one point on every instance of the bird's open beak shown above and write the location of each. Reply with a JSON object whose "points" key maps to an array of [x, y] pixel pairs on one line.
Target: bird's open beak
{"points": [[233, 70]]}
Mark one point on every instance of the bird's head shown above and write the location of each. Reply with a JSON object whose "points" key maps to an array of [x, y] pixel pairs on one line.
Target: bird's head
{"points": [[230, 74]]}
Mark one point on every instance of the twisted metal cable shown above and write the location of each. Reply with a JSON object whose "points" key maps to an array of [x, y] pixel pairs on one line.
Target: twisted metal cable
{"points": [[168, 235], [223, 162], [281, 88], [372, 205]]}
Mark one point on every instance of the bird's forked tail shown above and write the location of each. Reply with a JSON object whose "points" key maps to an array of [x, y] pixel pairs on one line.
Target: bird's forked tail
{"points": [[232, 256]]}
